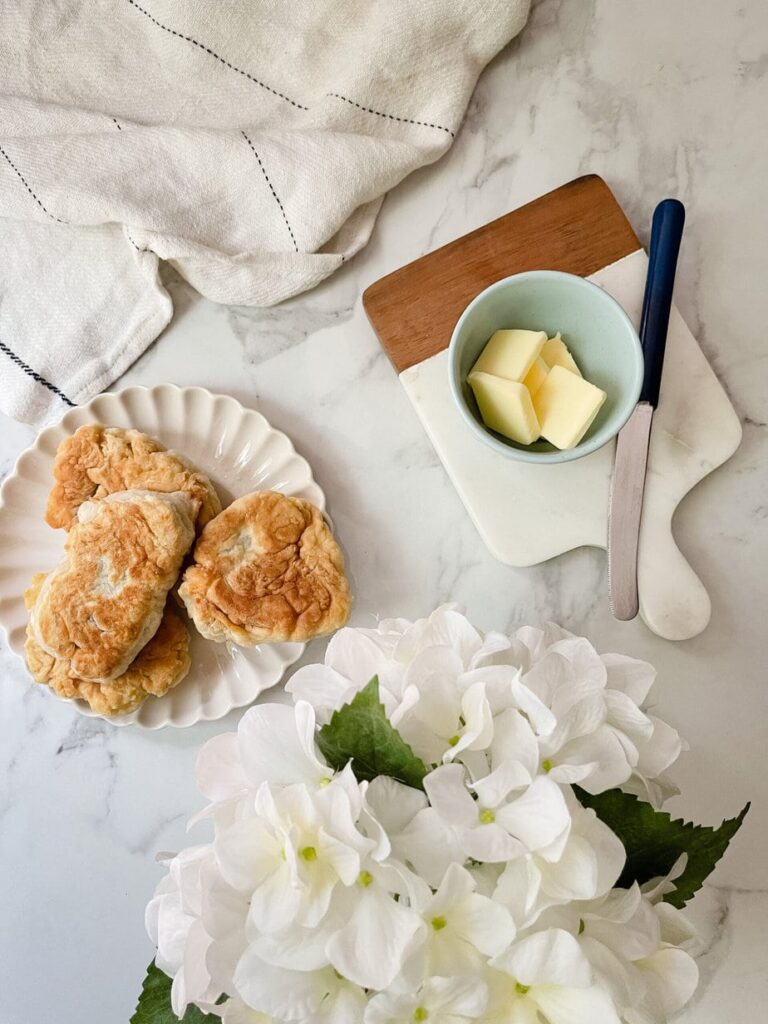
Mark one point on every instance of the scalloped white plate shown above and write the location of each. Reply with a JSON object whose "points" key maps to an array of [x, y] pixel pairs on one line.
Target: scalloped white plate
{"points": [[239, 451]]}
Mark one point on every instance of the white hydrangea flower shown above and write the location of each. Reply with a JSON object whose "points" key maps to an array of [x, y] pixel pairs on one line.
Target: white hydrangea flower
{"points": [[439, 679], [437, 1000], [549, 977], [274, 743], [604, 736], [173, 922], [290, 852], [462, 929], [402, 654], [311, 996], [626, 939], [507, 818], [588, 866], [487, 897], [377, 932]]}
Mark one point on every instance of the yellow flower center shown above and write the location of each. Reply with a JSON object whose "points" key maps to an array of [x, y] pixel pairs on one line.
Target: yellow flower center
{"points": [[521, 989], [582, 926], [547, 765], [438, 923], [365, 878], [453, 741], [487, 817], [420, 1013], [324, 782], [308, 853]]}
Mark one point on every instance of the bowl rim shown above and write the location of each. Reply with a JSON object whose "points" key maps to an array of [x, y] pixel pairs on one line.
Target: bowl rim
{"points": [[583, 448]]}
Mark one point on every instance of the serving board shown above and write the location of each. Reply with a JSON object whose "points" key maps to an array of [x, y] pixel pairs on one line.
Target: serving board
{"points": [[527, 514]]}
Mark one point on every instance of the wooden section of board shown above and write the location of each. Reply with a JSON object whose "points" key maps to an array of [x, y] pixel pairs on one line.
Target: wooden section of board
{"points": [[579, 228]]}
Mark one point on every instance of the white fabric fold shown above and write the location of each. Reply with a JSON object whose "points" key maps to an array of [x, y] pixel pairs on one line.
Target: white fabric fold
{"points": [[248, 143]]}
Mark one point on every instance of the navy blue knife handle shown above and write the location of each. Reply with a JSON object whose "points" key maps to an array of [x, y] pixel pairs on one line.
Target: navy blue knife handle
{"points": [[666, 232]]}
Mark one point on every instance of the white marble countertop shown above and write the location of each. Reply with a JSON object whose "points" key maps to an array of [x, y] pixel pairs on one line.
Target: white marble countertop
{"points": [[660, 99]]}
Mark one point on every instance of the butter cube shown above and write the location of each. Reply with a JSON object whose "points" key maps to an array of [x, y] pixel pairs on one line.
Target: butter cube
{"points": [[565, 406], [511, 354], [555, 353], [536, 376], [505, 406]]}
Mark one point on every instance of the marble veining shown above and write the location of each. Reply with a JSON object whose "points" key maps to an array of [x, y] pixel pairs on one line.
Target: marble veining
{"points": [[658, 102]]}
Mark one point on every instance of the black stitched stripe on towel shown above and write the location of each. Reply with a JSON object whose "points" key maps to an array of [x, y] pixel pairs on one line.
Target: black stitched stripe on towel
{"points": [[207, 49], [272, 190], [34, 374], [392, 117], [26, 185]]}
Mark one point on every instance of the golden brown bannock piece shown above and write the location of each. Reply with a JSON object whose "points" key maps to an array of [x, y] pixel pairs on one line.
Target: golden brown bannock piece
{"points": [[96, 461], [267, 569], [159, 666], [104, 602]]}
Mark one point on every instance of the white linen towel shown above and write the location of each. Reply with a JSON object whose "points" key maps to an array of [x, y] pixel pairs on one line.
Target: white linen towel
{"points": [[247, 142]]}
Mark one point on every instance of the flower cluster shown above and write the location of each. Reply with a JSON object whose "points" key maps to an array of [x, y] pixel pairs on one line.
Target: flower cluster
{"points": [[489, 895]]}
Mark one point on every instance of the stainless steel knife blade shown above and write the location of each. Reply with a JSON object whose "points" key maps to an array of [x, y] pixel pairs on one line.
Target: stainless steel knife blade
{"points": [[624, 510], [628, 482]]}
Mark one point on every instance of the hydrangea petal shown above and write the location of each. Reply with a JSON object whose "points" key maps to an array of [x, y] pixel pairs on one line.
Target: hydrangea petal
{"points": [[518, 890], [548, 957], [577, 1005], [574, 875], [371, 947], [467, 997], [235, 1011], [287, 995], [631, 939], [620, 979], [490, 842], [660, 751], [323, 687], [484, 923], [430, 845], [631, 676], [514, 742], [496, 787], [355, 655], [272, 749], [671, 977], [246, 853], [627, 716], [393, 804], [449, 797], [538, 817], [603, 749], [219, 769], [477, 731], [456, 885], [276, 902]]}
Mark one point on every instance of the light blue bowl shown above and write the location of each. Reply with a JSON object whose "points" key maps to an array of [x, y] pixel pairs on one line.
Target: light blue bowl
{"points": [[595, 328]]}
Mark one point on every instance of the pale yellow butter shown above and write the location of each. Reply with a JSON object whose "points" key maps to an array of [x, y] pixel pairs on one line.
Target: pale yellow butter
{"points": [[505, 406], [565, 406], [511, 354], [536, 376], [555, 353]]}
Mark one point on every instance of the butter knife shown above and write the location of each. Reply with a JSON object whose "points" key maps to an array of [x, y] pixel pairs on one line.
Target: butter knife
{"points": [[628, 480]]}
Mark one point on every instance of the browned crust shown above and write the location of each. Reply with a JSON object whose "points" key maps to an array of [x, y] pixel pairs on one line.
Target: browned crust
{"points": [[267, 569], [160, 666], [105, 601], [96, 461]]}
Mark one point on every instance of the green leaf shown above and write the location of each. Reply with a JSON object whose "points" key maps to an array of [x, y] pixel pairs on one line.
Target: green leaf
{"points": [[154, 1006], [654, 841], [360, 732]]}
